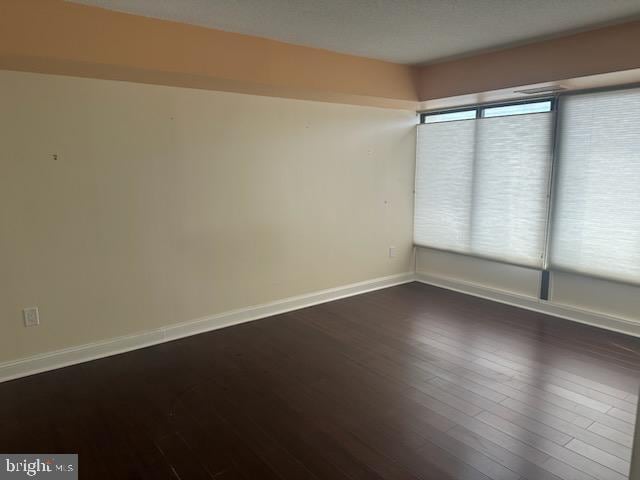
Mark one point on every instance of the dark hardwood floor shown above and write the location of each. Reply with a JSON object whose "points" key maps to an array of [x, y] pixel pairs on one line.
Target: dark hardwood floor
{"points": [[411, 382]]}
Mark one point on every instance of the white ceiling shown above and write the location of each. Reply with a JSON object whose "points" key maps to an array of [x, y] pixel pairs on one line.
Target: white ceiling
{"points": [[404, 31]]}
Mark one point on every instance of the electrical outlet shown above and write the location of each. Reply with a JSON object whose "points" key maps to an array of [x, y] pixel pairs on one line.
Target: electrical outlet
{"points": [[392, 252], [31, 317]]}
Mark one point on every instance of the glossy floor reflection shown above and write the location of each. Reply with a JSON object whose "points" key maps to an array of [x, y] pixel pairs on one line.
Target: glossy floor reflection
{"points": [[404, 383]]}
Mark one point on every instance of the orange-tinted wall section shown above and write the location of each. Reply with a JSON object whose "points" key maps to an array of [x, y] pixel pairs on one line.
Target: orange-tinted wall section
{"points": [[53, 36], [604, 50]]}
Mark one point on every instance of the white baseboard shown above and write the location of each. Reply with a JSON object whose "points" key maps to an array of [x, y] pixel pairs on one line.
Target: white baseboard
{"points": [[563, 311], [84, 353]]}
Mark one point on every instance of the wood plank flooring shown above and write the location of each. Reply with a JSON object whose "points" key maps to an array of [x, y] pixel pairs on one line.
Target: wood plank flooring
{"points": [[410, 382]]}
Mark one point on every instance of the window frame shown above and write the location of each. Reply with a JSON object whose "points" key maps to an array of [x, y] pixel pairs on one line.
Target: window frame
{"points": [[480, 108]]}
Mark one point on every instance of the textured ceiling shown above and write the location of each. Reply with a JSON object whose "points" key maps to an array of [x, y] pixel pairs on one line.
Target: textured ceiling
{"points": [[403, 31]]}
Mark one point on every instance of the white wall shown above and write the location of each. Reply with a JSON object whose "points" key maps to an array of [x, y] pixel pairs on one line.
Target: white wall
{"points": [[499, 276], [600, 296], [168, 204], [587, 294]]}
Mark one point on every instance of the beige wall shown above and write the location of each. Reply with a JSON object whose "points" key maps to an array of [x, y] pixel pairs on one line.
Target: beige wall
{"points": [[166, 204]]}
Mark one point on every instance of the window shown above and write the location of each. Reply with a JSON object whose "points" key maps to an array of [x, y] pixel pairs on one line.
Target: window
{"points": [[596, 213], [450, 116], [469, 113], [517, 109], [482, 184]]}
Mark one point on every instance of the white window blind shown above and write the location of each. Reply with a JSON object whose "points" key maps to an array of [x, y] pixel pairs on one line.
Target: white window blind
{"points": [[482, 186], [596, 220]]}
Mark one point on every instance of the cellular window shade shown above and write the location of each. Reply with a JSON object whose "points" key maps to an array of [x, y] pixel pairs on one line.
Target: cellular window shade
{"points": [[596, 220], [482, 186]]}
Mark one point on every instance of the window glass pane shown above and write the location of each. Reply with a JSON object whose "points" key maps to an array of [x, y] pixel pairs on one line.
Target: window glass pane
{"points": [[447, 117], [519, 109], [596, 220]]}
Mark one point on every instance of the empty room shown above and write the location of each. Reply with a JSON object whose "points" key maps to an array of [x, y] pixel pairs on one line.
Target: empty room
{"points": [[305, 239]]}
